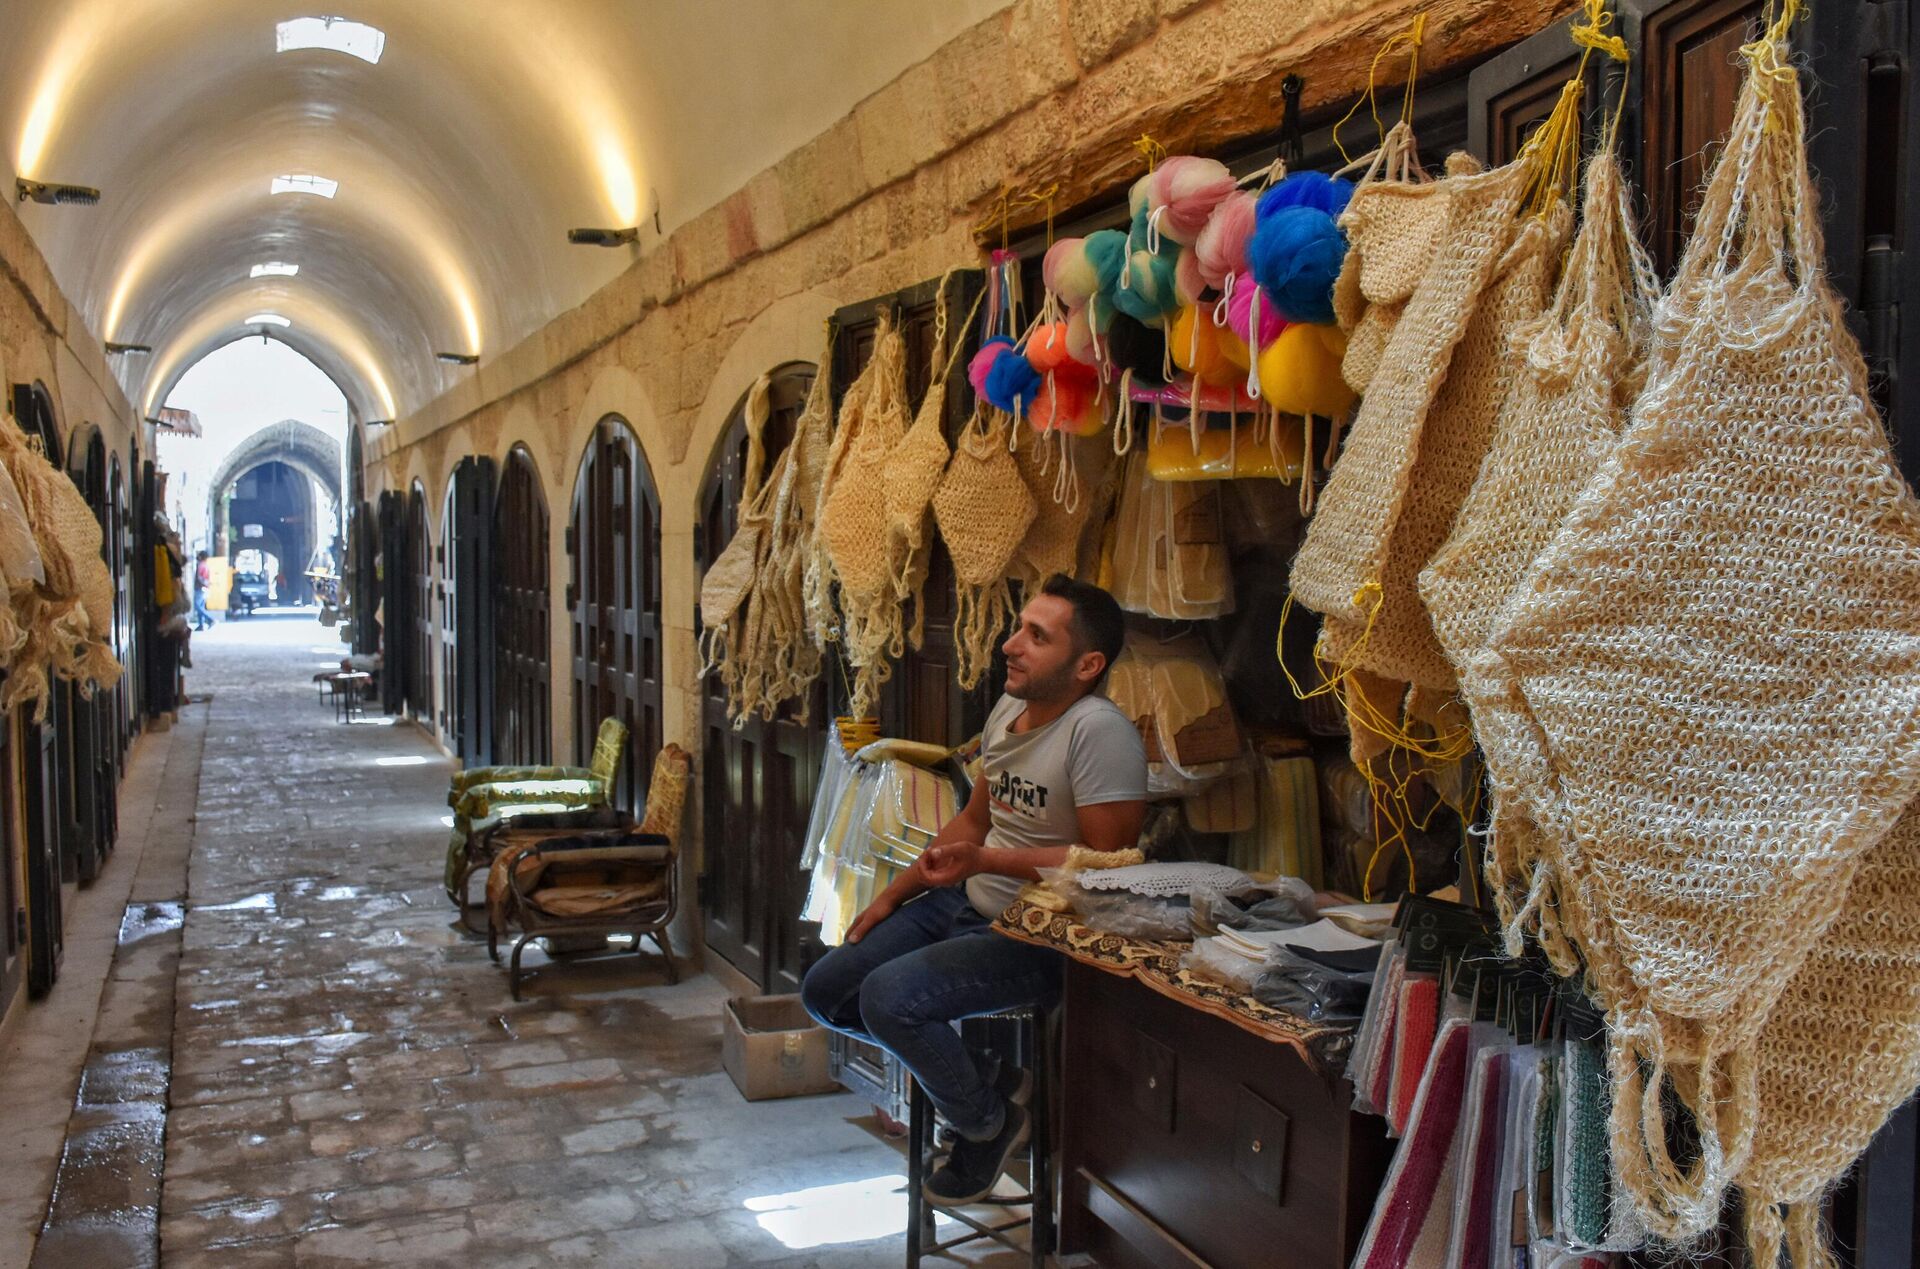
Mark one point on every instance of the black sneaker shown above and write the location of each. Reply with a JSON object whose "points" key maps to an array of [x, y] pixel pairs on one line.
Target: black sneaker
{"points": [[1014, 1083], [970, 1171]]}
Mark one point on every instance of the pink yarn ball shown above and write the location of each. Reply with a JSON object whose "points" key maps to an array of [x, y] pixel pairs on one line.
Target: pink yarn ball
{"points": [[1187, 189], [981, 363], [1240, 311], [1221, 248], [1188, 285]]}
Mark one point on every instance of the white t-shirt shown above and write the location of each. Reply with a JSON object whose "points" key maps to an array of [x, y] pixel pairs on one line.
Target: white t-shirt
{"points": [[1037, 779]]}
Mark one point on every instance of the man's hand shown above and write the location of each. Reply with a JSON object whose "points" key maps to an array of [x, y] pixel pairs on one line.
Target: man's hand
{"points": [[949, 863], [879, 910]]}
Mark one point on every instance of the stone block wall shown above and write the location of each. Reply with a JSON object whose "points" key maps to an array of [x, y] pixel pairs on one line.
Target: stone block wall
{"points": [[1045, 92]]}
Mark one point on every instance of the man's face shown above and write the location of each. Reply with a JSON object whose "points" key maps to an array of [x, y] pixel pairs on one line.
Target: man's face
{"points": [[1042, 664]]}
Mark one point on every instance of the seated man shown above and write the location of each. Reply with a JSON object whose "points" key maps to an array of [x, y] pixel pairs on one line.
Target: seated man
{"points": [[1062, 766]]}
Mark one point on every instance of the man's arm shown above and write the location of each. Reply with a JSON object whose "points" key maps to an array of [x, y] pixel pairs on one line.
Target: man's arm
{"points": [[1105, 826], [967, 828]]}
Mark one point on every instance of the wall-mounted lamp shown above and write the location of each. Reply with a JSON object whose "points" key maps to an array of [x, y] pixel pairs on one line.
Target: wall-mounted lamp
{"points": [[378, 423], [130, 350], [603, 237], [52, 194], [459, 359]]}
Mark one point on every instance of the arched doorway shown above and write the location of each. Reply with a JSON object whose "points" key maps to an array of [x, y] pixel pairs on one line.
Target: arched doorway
{"points": [[757, 781], [614, 542], [419, 545], [449, 628], [86, 750], [521, 630], [40, 786]]}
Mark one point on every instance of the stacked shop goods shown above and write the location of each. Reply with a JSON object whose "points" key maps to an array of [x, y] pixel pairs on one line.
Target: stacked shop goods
{"points": [[1641, 555]]}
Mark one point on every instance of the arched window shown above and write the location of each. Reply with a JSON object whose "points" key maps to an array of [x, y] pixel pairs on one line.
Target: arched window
{"points": [[614, 594], [521, 630]]}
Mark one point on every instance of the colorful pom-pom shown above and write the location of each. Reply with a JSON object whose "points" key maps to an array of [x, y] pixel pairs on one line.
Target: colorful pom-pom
{"points": [[1317, 190], [1106, 252], [1296, 254], [1300, 371], [1139, 348], [1047, 347], [1067, 403], [1194, 343], [1188, 285], [1240, 310], [1012, 383], [1221, 248], [1081, 337], [982, 361], [1068, 273], [1183, 193], [1146, 292]]}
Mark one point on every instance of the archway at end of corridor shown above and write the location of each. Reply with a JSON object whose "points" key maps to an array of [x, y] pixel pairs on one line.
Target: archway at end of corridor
{"points": [[279, 493]]}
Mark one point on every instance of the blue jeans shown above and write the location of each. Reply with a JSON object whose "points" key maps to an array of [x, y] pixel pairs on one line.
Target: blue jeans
{"points": [[904, 985], [201, 617]]}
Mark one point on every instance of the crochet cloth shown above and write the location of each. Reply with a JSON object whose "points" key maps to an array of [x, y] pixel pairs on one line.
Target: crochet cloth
{"points": [[1398, 642], [1344, 555], [1396, 215], [1168, 879], [983, 508], [1485, 1146], [1415, 1023], [1565, 412], [1722, 650], [1410, 1218]]}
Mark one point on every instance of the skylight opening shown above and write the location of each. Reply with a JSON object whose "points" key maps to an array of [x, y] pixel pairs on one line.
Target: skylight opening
{"points": [[273, 269], [267, 319], [304, 183], [355, 39]]}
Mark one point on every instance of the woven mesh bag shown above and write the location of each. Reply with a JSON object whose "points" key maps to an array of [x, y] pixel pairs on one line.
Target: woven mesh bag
{"points": [[1583, 359], [911, 474], [1345, 551], [984, 510], [787, 659], [1052, 543], [729, 580], [1398, 640], [1839, 1053], [1721, 648], [853, 520]]}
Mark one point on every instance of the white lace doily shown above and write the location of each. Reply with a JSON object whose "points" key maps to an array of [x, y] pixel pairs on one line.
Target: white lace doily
{"points": [[1166, 879]]}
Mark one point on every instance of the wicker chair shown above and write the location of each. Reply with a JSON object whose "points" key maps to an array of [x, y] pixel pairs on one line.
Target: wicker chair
{"points": [[585, 884], [483, 797]]}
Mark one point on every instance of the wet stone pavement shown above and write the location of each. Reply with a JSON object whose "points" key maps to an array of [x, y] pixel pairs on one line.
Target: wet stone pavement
{"points": [[350, 1082]]}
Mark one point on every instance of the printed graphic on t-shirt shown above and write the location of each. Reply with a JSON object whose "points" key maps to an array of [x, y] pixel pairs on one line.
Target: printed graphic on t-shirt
{"points": [[1022, 797]]}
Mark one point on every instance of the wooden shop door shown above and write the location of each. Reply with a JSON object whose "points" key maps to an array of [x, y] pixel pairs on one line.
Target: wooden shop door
{"points": [[757, 780], [521, 630], [613, 543], [419, 576], [470, 544], [449, 628]]}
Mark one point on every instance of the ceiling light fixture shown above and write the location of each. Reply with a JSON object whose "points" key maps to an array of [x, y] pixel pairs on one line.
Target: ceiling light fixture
{"points": [[304, 183], [133, 350], [602, 237], [459, 359], [267, 319], [338, 35], [273, 269], [53, 194]]}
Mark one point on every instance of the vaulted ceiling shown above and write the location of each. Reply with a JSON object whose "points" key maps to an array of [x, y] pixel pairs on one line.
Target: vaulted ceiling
{"points": [[483, 133]]}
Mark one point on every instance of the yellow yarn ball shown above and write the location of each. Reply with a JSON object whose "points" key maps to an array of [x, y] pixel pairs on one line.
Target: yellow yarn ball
{"points": [[1300, 371], [1195, 343]]}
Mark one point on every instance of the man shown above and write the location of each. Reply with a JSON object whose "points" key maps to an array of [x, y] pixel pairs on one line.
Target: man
{"points": [[1062, 766], [202, 619]]}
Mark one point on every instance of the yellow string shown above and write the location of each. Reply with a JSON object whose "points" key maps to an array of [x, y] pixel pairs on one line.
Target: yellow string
{"points": [[1592, 36], [1763, 58], [1412, 36], [1150, 150]]}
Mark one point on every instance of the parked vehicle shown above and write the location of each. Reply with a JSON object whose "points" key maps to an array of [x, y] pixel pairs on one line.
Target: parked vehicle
{"points": [[248, 593]]}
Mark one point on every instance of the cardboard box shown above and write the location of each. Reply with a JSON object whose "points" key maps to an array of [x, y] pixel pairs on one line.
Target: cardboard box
{"points": [[772, 1048]]}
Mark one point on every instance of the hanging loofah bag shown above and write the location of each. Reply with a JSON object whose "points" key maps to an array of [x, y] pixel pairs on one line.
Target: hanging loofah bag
{"points": [[1722, 650], [788, 659], [1583, 361], [729, 580], [1344, 556], [984, 509]]}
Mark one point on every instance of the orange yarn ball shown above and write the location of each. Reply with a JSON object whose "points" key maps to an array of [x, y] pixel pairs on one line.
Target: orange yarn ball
{"points": [[1197, 347]]}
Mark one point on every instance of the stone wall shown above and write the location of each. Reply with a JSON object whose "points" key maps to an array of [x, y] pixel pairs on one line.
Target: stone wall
{"points": [[1046, 92]]}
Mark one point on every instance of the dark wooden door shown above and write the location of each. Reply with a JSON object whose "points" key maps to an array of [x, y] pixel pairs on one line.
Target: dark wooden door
{"points": [[471, 543], [613, 543], [757, 780], [521, 631], [119, 548], [363, 536], [449, 627], [396, 603], [92, 751], [419, 581], [13, 905], [46, 923]]}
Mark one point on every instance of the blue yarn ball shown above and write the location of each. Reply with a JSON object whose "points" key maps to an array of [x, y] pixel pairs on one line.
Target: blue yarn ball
{"points": [[1317, 190], [1297, 253], [1106, 251], [1012, 383]]}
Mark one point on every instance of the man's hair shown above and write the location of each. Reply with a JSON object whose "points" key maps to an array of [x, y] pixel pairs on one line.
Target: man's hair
{"points": [[200, 555], [1098, 624]]}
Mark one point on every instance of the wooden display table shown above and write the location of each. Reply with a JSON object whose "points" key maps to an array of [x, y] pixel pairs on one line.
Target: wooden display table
{"points": [[1199, 1126]]}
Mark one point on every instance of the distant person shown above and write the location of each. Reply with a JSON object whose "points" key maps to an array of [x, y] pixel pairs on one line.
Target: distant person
{"points": [[202, 574]]}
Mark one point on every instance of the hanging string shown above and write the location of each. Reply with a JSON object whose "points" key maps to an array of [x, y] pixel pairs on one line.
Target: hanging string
{"points": [[1410, 38], [1150, 150]]}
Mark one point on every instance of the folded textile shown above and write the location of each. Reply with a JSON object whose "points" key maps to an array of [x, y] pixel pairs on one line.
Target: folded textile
{"points": [[1419, 1017], [1411, 1218]]}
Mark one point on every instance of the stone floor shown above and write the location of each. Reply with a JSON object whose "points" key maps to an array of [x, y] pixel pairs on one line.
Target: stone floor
{"points": [[345, 1079]]}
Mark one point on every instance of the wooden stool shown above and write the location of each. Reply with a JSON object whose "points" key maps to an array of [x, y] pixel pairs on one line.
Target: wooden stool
{"points": [[1031, 1031]]}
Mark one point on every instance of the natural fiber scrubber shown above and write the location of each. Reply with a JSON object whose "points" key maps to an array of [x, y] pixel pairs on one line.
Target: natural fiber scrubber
{"points": [[1396, 216], [729, 646], [984, 509], [1344, 555], [1722, 650], [63, 634], [1582, 360], [1398, 640]]}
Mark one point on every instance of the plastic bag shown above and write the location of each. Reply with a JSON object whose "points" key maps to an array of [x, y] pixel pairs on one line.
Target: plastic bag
{"points": [[1311, 990], [1280, 904], [836, 770]]}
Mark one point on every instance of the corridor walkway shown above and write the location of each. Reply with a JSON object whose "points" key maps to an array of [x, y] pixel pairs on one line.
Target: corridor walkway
{"points": [[350, 1082]]}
